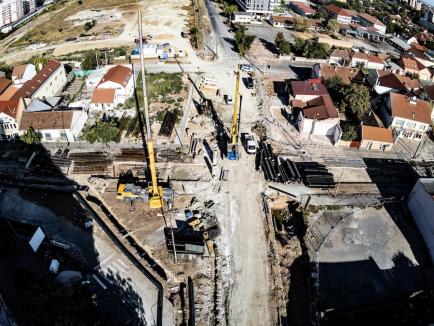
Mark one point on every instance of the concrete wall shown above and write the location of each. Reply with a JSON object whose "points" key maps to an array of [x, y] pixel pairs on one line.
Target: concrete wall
{"points": [[373, 145], [318, 127], [421, 206]]}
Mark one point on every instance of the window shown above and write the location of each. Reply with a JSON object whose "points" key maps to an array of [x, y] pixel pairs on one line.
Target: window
{"points": [[15, 126], [421, 127], [48, 136], [63, 136], [383, 147], [410, 124], [399, 122]]}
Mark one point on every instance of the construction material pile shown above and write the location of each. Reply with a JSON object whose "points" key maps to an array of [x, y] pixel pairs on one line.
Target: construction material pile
{"points": [[168, 124], [278, 169]]}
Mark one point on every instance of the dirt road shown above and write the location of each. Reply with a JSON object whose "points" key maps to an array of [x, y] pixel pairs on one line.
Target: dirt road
{"points": [[249, 297]]}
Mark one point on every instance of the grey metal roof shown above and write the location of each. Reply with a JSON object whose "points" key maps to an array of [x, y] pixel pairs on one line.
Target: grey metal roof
{"points": [[428, 184]]}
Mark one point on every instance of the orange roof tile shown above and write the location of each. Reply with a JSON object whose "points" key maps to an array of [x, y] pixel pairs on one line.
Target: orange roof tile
{"points": [[118, 74], [103, 95], [4, 84], [377, 134], [404, 107], [47, 120], [10, 107]]}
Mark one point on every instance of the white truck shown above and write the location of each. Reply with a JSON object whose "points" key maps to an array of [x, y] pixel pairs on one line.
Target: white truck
{"points": [[249, 143]]}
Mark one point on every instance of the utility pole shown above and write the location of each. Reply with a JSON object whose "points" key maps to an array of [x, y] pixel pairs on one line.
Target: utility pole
{"points": [[96, 58]]}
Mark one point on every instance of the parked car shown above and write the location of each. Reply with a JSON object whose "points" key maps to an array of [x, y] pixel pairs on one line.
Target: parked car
{"points": [[249, 143], [246, 68], [248, 82], [229, 100]]}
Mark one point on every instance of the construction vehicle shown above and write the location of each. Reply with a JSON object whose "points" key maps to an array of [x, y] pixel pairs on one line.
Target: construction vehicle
{"points": [[233, 144], [130, 191], [155, 191]]}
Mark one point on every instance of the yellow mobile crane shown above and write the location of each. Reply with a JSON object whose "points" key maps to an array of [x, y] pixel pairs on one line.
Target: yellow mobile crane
{"points": [[233, 144], [155, 191]]}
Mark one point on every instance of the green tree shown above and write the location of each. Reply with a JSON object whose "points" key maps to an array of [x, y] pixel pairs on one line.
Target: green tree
{"points": [[349, 131], [279, 38], [89, 25], [102, 131], [89, 61], [357, 101], [301, 24], [31, 136], [317, 50], [229, 9], [243, 41], [284, 47], [299, 45], [38, 62], [332, 26]]}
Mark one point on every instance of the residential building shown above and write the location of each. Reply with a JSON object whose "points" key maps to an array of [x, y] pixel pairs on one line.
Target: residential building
{"points": [[347, 75], [55, 126], [318, 116], [420, 202], [359, 59], [367, 20], [29, 6], [23, 73], [428, 20], [94, 78], [375, 138], [303, 91], [340, 57], [356, 30], [10, 11], [242, 17], [301, 8], [408, 117], [398, 43], [385, 82], [412, 66], [49, 81], [258, 6], [9, 92], [375, 62], [341, 15], [282, 21], [4, 84], [114, 88], [10, 116]]}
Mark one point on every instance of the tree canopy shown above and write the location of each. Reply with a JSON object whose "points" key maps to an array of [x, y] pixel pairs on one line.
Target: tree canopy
{"points": [[102, 131], [283, 45], [332, 26], [242, 40], [31, 136], [357, 101]]}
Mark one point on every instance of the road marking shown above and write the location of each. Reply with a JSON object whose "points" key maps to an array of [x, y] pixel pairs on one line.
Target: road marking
{"points": [[104, 261], [122, 263], [99, 281], [118, 267]]}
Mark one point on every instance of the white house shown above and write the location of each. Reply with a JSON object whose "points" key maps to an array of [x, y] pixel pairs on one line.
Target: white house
{"points": [[359, 59], [115, 88], [421, 205], [94, 78], [340, 57], [242, 17], [23, 73], [49, 81], [55, 126], [303, 91], [10, 116], [319, 117], [409, 118]]}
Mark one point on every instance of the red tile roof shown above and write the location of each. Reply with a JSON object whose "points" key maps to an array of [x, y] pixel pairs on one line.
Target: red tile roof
{"points": [[308, 87], [407, 62], [10, 107], [337, 10], [4, 84], [320, 108], [346, 74], [404, 107], [118, 74], [305, 8], [371, 19], [31, 86], [375, 59], [377, 134], [103, 95]]}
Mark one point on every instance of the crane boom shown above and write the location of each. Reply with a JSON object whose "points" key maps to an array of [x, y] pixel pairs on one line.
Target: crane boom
{"points": [[155, 191], [233, 146]]}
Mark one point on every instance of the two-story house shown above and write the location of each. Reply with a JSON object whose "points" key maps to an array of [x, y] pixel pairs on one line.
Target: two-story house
{"points": [[10, 116], [408, 117], [115, 88], [49, 81]]}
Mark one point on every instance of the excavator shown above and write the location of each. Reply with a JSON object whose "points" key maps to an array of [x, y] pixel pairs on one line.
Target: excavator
{"points": [[233, 153]]}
